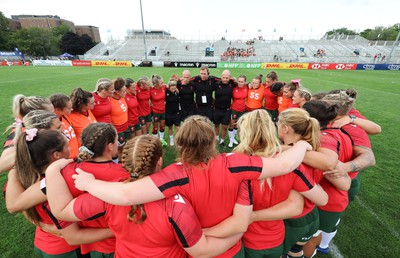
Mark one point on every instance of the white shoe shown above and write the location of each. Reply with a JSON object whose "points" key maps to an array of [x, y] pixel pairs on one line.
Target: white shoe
{"points": [[230, 145], [234, 141]]}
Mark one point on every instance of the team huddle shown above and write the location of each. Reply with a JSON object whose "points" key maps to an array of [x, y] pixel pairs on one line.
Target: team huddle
{"points": [[87, 169]]}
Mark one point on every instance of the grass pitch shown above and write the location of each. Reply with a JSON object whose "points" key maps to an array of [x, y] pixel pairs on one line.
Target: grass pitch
{"points": [[370, 226]]}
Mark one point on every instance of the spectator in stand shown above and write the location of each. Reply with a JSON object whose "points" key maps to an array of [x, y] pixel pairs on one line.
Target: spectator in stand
{"points": [[301, 96], [270, 99], [119, 111], [172, 110], [204, 85], [143, 97], [222, 107], [63, 108], [133, 105], [81, 115], [255, 94], [157, 96], [102, 104], [186, 90], [238, 107]]}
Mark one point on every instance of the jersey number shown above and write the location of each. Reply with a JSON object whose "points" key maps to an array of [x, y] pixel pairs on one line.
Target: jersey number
{"points": [[254, 95]]}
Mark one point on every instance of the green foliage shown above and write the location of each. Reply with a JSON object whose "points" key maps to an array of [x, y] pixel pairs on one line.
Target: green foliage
{"points": [[382, 33], [378, 33], [35, 42], [344, 31], [370, 226], [75, 44], [4, 33], [61, 30]]}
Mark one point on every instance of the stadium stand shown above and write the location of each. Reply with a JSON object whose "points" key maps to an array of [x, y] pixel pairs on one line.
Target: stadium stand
{"points": [[332, 48]]}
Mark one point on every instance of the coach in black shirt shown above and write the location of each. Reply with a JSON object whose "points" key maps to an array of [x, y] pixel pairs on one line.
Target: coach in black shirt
{"points": [[186, 94], [204, 87], [222, 106]]}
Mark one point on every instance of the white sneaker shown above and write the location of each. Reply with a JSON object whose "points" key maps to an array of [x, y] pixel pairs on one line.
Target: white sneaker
{"points": [[230, 145], [234, 141]]}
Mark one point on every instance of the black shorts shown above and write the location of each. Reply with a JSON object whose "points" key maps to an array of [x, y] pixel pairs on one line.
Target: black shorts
{"points": [[205, 111], [222, 116], [172, 119], [187, 111]]}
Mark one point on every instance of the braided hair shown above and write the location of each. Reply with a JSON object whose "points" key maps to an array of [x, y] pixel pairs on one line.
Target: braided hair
{"points": [[95, 138], [140, 157]]}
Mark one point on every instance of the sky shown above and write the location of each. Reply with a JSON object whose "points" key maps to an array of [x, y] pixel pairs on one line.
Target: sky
{"points": [[194, 20]]}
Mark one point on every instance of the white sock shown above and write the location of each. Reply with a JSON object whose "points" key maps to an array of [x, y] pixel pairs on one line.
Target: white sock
{"points": [[231, 135], [171, 137], [161, 135], [217, 137], [327, 238]]}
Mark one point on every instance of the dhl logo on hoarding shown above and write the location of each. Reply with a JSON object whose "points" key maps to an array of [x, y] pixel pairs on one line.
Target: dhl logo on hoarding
{"points": [[270, 65], [112, 63], [284, 65]]}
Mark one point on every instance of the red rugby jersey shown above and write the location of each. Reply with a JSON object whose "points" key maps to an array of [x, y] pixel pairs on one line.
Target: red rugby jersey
{"points": [[262, 235], [143, 97], [239, 96], [270, 99], [102, 108], [170, 226], [157, 97], [336, 141], [211, 188], [107, 171], [133, 105]]}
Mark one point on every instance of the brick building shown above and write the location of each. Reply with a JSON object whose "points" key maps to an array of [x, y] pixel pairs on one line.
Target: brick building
{"points": [[51, 21]]}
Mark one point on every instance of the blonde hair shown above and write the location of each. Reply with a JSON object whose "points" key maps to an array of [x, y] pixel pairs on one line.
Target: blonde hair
{"points": [[344, 101], [139, 157], [172, 82], [155, 79], [302, 124], [195, 140], [39, 119], [142, 80], [257, 134], [23, 105], [304, 93], [103, 84]]}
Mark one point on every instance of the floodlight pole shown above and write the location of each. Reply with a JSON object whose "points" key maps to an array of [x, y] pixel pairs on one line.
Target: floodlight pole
{"points": [[144, 33], [396, 42]]}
